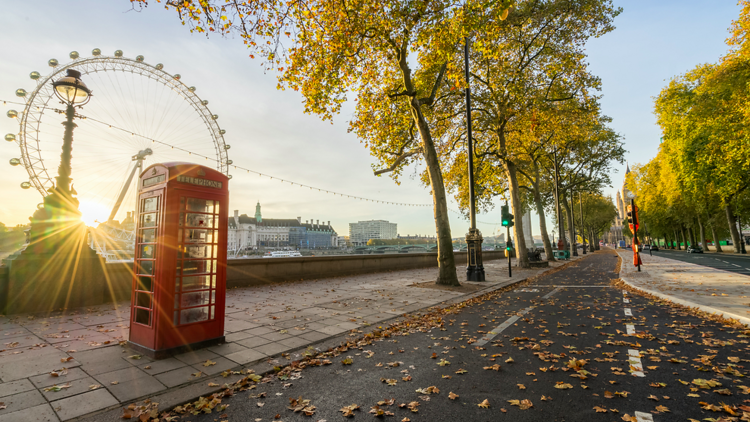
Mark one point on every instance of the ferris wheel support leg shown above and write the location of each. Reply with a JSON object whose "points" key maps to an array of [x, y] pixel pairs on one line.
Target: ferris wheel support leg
{"points": [[124, 191]]}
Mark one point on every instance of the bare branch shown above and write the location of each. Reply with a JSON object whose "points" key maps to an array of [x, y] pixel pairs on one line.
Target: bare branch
{"points": [[431, 99], [398, 161]]}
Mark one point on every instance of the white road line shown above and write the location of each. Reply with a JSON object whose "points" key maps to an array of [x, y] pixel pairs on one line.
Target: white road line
{"points": [[644, 417], [499, 329], [630, 328], [628, 312], [747, 269], [634, 359], [737, 265], [548, 295], [625, 300]]}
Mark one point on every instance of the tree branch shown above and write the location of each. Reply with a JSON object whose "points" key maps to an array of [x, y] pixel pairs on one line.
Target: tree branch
{"points": [[431, 99], [398, 161]]}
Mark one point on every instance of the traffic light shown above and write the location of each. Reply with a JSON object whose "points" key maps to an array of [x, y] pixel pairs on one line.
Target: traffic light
{"points": [[506, 217], [509, 245], [630, 214]]}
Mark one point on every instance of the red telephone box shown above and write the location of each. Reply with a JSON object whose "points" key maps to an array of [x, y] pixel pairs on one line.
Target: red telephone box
{"points": [[179, 280]]}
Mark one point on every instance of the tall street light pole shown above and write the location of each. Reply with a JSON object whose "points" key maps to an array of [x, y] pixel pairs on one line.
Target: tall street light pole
{"points": [[474, 267]]}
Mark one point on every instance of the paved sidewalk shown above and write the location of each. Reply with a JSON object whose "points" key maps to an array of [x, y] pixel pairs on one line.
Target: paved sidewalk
{"points": [[710, 289], [261, 323]]}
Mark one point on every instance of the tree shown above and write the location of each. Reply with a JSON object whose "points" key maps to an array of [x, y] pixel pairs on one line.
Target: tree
{"points": [[528, 62], [396, 57]]}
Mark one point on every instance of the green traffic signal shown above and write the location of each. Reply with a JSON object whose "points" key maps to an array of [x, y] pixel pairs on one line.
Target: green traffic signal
{"points": [[504, 216]]}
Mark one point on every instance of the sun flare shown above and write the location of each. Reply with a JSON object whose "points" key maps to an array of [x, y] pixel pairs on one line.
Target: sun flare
{"points": [[93, 213]]}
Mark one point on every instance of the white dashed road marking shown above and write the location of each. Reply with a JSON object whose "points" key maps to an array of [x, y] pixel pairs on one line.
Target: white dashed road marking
{"points": [[644, 417], [628, 312], [500, 328], [626, 300], [634, 358], [631, 329], [737, 265], [548, 295]]}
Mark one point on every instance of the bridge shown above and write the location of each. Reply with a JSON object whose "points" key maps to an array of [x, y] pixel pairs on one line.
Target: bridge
{"points": [[395, 248]]}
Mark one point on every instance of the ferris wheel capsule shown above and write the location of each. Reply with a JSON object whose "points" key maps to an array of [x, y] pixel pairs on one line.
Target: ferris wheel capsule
{"points": [[222, 131], [191, 89], [204, 102], [14, 162], [53, 62], [214, 116], [227, 146], [118, 53], [74, 55], [10, 137], [177, 76], [25, 185], [40, 206], [159, 66], [229, 176], [139, 58], [20, 92], [35, 75], [12, 114], [96, 52], [229, 162]]}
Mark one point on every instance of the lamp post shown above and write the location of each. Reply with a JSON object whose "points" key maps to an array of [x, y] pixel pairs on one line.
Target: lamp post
{"points": [[52, 224], [474, 267]]}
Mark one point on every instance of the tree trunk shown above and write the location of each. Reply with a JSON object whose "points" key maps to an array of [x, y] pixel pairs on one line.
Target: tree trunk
{"points": [[677, 240], [569, 215], [522, 254], [682, 236], [733, 228], [702, 232], [717, 245], [691, 233], [542, 223], [446, 260]]}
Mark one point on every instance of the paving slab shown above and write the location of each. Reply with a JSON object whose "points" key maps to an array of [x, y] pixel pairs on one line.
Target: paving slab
{"points": [[20, 401], [178, 376], [196, 356], [246, 356], [24, 368], [83, 404], [136, 388], [216, 366], [15, 387], [45, 380], [75, 387], [40, 413], [161, 366]]}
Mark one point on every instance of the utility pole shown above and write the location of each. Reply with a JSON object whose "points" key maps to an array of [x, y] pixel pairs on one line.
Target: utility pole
{"points": [[474, 267]]}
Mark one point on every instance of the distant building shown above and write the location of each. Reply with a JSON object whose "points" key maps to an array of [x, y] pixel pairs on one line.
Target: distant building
{"points": [[362, 231], [245, 232]]}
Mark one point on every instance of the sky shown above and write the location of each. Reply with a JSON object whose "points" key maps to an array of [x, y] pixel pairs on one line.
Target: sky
{"points": [[268, 130]]}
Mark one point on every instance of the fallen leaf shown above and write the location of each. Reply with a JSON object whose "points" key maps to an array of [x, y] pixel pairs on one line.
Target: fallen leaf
{"points": [[662, 408], [209, 363], [600, 409], [485, 404], [452, 396]]}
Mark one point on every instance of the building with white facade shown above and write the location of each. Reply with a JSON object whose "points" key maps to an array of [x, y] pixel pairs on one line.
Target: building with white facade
{"points": [[247, 233], [362, 231]]}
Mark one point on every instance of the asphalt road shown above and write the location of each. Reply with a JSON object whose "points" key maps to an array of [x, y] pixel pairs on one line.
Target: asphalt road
{"points": [[729, 262], [574, 320]]}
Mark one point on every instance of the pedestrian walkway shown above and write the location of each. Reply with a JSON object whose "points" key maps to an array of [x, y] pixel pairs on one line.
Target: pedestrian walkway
{"points": [[66, 366], [710, 289]]}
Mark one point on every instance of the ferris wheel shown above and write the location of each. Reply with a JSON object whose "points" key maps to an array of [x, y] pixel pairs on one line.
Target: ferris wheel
{"points": [[138, 114]]}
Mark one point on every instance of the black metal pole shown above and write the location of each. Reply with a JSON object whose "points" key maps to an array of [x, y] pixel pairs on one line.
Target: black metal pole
{"points": [[583, 231], [636, 247], [474, 268], [508, 248]]}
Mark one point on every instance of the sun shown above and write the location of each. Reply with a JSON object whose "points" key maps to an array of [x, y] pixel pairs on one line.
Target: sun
{"points": [[93, 213]]}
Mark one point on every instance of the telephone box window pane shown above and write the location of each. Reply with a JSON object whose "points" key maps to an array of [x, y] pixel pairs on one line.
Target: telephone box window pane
{"points": [[143, 300], [196, 267], [199, 251], [199, 282], [200, 205], [213, 281], [147, 251], [142, 316], [193, 315], [195, 299], [148, 236], [199, 236], [212, 313], [200, 220], [176, 301], [150, 204], [174, 318], [216, 207], [148, 220], [145, 283], [145, 267]]}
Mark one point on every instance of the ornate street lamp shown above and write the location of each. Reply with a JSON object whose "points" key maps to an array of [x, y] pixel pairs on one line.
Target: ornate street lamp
{"points": [[71, 90], [59, 219]]}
